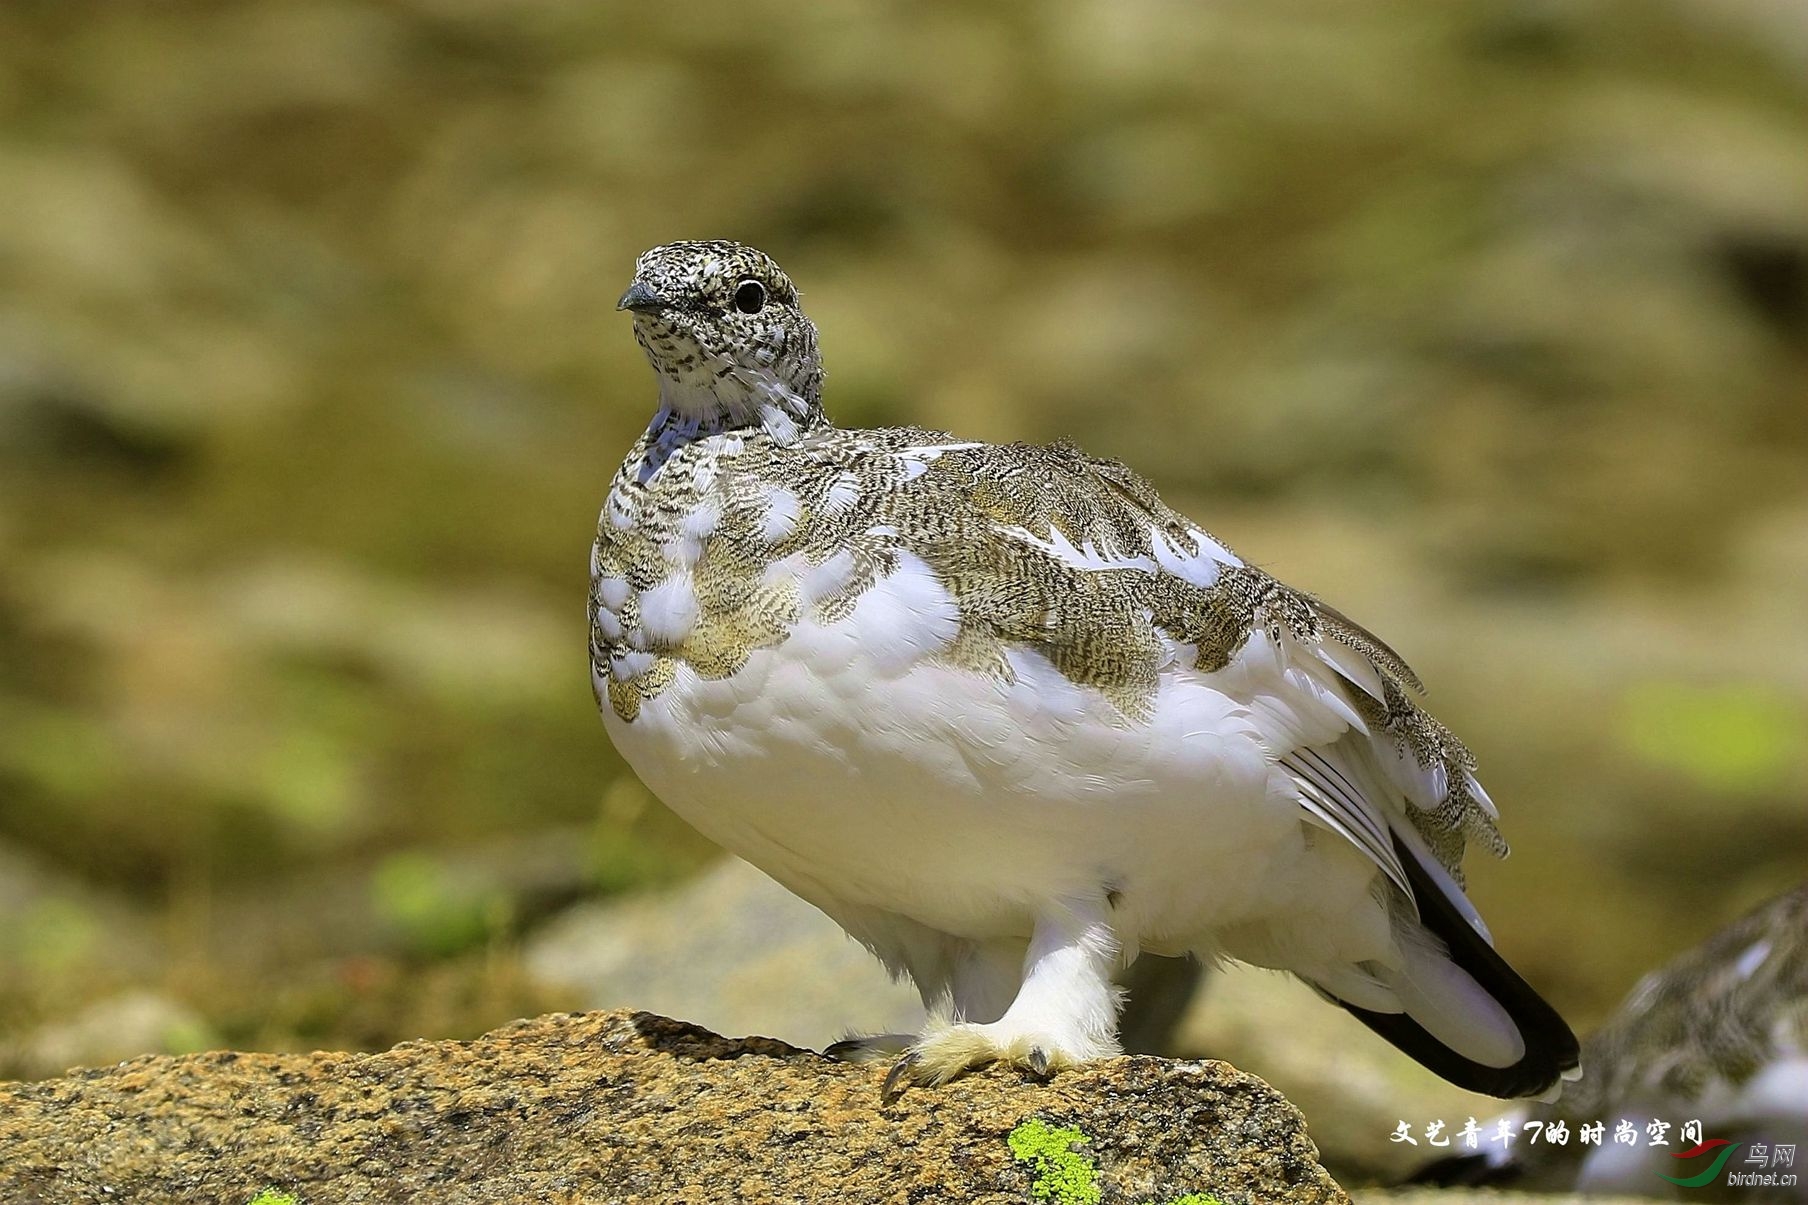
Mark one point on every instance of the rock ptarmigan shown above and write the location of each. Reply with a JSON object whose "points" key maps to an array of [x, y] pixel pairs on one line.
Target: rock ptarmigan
{"points": [[1010, 720]]}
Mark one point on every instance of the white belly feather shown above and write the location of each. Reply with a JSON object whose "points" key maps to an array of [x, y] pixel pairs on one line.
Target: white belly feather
{"points": [[855, 767]]}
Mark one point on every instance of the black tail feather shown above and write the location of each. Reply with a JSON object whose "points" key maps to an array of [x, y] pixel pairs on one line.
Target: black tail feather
{"points": [[1550, 1047]]}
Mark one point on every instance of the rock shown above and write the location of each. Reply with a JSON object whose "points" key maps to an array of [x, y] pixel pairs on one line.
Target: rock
{"points": [[730, 949], [106, 1031], [632, 1107]]}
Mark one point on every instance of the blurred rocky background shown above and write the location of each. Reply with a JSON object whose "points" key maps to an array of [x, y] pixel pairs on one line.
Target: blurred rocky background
{"points": [[1487, 321]]}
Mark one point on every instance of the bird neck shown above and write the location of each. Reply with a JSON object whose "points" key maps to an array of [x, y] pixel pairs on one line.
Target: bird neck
{"points": [[783, 417], [743, 401]]}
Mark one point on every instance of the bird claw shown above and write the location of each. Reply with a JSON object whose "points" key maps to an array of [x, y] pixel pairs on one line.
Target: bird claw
{"points": [[899, 1077], [947, 1052]]}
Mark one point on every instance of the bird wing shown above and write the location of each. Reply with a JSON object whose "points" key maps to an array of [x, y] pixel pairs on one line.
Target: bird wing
{"points": [[1334, 703]]}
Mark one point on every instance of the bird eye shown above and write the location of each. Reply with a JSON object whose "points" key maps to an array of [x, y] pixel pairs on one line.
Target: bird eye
{"points": [[750, 298]]}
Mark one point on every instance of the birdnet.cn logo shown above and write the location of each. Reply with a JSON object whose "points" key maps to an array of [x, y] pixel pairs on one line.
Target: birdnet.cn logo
{"points": [[1760, 1168]]}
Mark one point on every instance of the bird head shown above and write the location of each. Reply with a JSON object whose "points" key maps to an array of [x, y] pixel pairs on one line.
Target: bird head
{"points": [[720, 324]]}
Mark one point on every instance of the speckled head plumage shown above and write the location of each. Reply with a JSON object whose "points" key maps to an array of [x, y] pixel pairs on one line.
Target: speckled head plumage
{"points": [[721, 326]]}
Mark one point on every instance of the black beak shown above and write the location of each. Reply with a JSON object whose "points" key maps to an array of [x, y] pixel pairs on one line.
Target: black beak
{"points": [[641, 300]]}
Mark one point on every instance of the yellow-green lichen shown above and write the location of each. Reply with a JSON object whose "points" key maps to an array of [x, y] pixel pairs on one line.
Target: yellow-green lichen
{"points": [[1063, 1175], [274, 1196]]}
